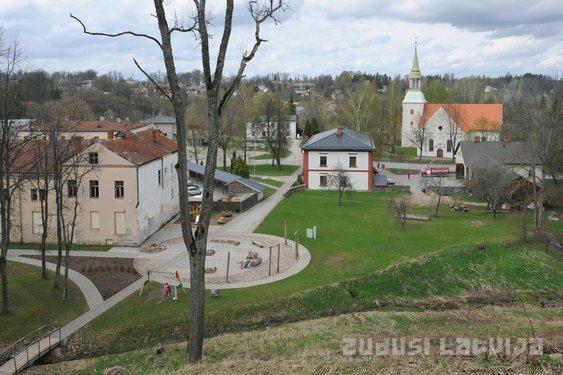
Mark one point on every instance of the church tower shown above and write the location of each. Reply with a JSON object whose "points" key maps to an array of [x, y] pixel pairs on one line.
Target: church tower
{"points": [[413, 104]]}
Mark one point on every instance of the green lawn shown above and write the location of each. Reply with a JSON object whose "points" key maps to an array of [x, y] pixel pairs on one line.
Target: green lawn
{"points": [[268, 192], [52, 246], [285, 154], [355, 240], [268, 181], [35, 303], [272, 170], [401, 170]]}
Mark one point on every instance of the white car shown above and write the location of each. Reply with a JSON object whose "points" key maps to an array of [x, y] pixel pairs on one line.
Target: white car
{"points": [[194, 190]]}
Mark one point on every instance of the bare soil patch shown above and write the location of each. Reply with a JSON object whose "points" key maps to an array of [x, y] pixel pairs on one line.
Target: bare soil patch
{"points": [[109, 275]]}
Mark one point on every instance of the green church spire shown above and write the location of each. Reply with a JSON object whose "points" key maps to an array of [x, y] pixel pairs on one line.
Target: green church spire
{"points": [[415, 70]]}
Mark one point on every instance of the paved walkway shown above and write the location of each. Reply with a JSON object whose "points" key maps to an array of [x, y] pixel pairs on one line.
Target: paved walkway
{"points": [[91, 293]]}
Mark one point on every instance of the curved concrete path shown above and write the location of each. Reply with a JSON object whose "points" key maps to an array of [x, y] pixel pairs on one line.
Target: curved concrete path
{"points": [[91, 293]]}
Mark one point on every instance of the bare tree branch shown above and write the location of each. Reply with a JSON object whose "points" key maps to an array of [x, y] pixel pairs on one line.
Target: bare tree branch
{"points": [[153, 81], [116, 34]]}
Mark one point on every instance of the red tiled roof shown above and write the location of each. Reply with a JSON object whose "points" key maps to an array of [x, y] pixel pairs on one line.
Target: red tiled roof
{"points": [[472, 117], [140, 148], [95, 126]]}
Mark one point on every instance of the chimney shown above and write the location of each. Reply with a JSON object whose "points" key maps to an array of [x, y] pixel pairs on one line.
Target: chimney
{"points": [[156, 136], [119, 119], [110, 134], [339, 130], [126, 119]]}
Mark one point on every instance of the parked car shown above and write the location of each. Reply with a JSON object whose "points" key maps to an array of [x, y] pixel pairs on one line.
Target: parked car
{"points": [[434, 171], [390, 182], [194, 190]]}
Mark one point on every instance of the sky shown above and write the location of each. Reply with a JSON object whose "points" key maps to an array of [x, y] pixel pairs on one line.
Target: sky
{"points": [[463, 37]]}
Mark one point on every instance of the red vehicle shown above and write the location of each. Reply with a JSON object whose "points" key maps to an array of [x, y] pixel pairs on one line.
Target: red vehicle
{"points": [[434, 171]]}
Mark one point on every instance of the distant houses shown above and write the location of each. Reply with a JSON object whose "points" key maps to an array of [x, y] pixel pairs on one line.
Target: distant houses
{"points": [[166, 125], [339, 149]]}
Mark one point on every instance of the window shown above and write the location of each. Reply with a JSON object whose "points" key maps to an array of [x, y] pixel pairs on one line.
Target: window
{"points": [[42, 194], [412, 111], [323, 181], [33, 194], [119, 189], [93, 158], [353, 162], [94, 189], [159, 177], [72, 189], [119, 218], [449, 145], [430, 145], [94, 220], [411, 123], [440, 128], [37, 222], [323, 161]]}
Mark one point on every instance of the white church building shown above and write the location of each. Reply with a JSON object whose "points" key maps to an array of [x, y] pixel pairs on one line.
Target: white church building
{"points": [[440, 127]]}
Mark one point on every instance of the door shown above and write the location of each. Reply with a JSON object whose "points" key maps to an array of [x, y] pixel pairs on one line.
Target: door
{"points": [[440, 153], [119, 218]]}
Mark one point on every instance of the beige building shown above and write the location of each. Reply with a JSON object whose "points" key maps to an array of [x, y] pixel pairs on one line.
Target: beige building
{"points": [[129, 192]]}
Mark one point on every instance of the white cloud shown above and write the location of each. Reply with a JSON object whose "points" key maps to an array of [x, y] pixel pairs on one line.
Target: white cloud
{"points": [[316, 36]]}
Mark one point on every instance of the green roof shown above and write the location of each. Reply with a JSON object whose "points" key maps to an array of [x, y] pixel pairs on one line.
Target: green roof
{"points": [[415, 70]]}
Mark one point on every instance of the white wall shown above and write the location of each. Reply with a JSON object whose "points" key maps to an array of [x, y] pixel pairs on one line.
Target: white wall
{"points": [[338, 159], [441, 137], [157, 203], [408, 117]]}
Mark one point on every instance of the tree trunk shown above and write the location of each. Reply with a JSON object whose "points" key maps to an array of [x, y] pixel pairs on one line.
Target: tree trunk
{"points": [[438, 205], [65, 284], [59, 237], [541, 198], [224, 157], [278, 161], [197, 303], [5, 218], [4, 272]]}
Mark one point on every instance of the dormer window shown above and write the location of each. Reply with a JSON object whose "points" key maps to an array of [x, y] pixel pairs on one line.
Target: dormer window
{"points": [[412, 111]]}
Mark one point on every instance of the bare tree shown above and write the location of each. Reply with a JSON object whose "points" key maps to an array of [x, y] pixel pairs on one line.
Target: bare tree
{"points": [[74, 169], [434, 185], [274, 124], [418, 137], [260, 12], [340, 182], [491, 182], [455, 120], [232, 123], [536, 120], [14, 165], [196, 125], [399, 207], [41, 180], [358, 108]]}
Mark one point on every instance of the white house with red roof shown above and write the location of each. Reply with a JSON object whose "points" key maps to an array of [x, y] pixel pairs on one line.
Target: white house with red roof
{"points": [[444, 125], [338, 149]]}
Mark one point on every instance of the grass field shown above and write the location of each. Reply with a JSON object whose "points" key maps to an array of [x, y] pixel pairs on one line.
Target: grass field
{"points": [[269, 181], [401, 170], [285, 154], [272, 170], [492, 273], [52, 246], [355, 240], [35, 303]]}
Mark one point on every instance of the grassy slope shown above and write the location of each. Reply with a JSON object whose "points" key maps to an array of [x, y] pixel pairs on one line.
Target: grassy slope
{"points": [[354, 240], [269, 170], [35, 303], [282, 349]]}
